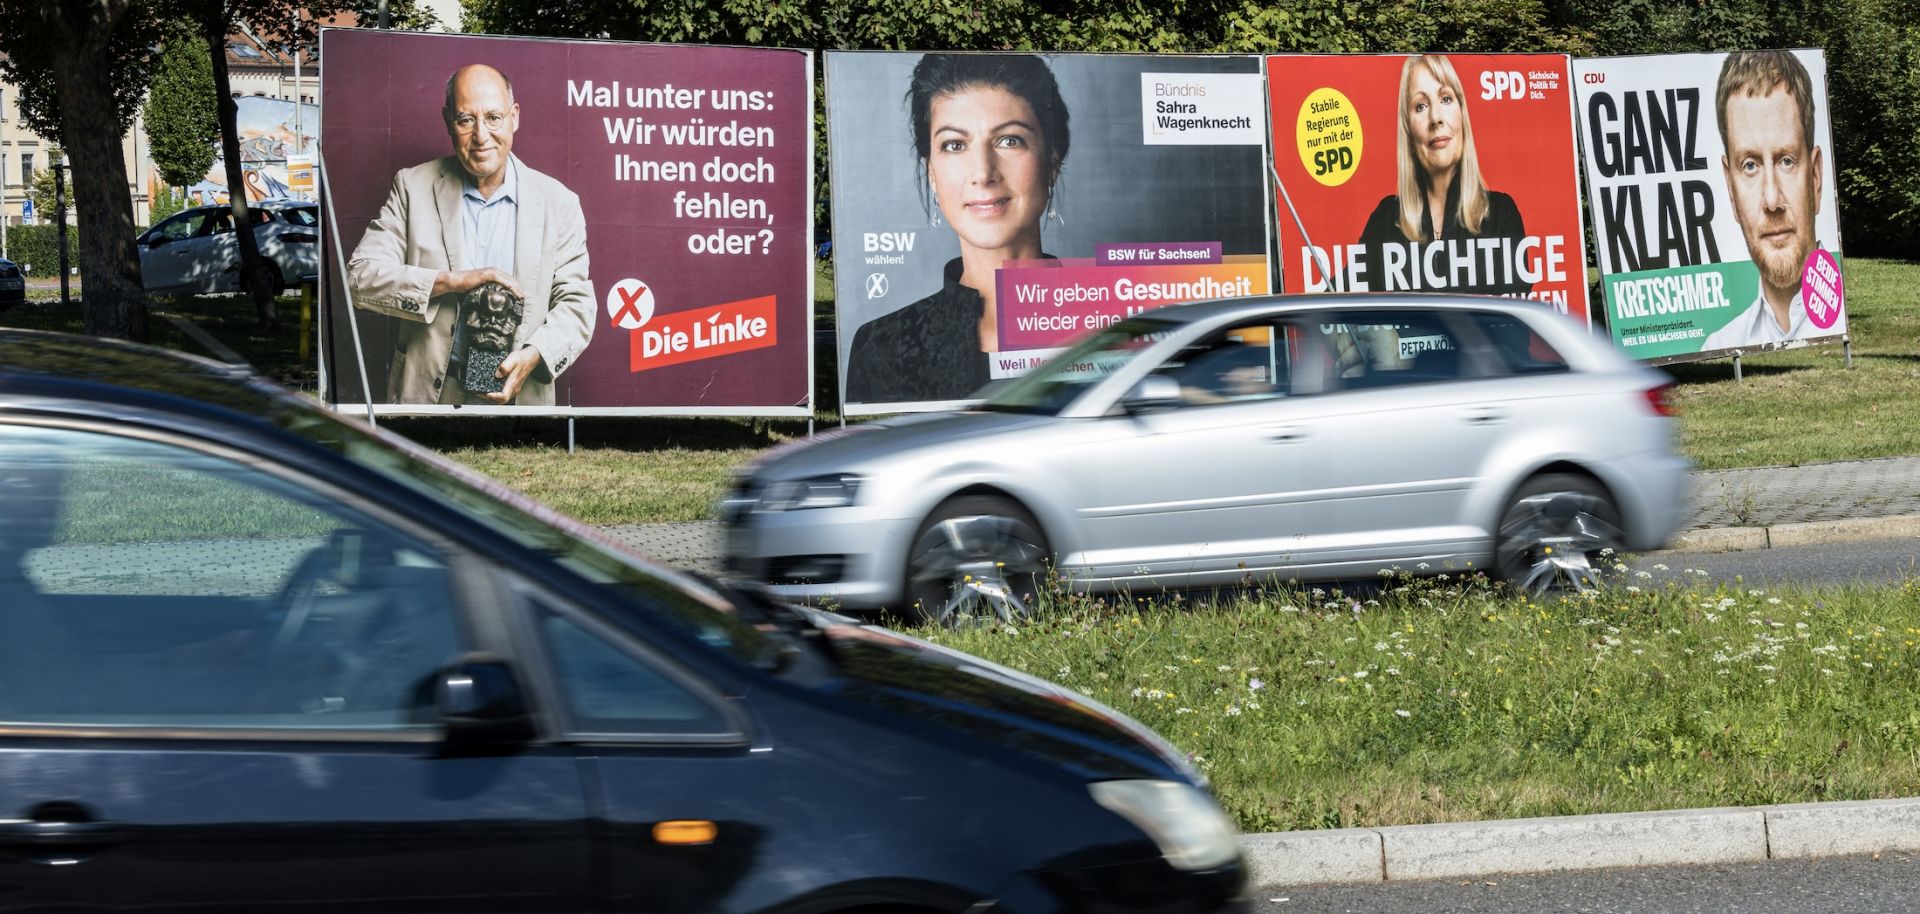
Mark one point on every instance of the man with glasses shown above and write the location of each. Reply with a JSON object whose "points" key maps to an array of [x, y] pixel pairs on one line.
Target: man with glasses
{"points": [[477, 224]]}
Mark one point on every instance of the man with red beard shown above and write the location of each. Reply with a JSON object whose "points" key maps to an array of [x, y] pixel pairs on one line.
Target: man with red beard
{"points": [[1773, 169]]}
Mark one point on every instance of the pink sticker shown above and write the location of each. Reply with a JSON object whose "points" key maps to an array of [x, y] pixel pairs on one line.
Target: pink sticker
{"points": [[1822, 289]]}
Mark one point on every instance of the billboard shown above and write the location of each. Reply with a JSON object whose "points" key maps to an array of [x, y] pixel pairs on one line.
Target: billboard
{"points": [[1715, 217], [566, 227], [989, 207], [1429, 173]]}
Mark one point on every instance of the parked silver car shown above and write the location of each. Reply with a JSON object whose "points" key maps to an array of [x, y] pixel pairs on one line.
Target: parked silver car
{"points": [[195, 250], [1310, 438]]}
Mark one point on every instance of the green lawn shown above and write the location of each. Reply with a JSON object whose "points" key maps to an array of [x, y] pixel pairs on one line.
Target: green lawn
{"points": [[1449, 700], [1796, 406]]}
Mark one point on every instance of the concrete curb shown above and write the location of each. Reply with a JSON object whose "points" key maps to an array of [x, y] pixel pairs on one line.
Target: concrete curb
{"points": [[1805, 533], [1675, 838]]}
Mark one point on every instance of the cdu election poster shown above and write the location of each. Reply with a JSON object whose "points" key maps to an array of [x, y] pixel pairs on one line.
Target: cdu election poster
{"points": [[566, 227], [989, 207], [1711, 183], [1429, 173]]}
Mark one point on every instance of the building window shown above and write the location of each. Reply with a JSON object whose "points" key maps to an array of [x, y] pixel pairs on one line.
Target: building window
{"points": [[26, 169]]}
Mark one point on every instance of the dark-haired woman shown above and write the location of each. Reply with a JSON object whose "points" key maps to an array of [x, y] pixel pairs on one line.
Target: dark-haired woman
{"points": [[991, 134]]}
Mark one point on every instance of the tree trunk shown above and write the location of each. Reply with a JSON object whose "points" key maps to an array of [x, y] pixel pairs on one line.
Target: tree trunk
{"points": [[253, 269], [111, 294]]}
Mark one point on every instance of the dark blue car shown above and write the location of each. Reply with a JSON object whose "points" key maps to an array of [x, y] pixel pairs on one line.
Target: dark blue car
{"points": [[254, 656]]}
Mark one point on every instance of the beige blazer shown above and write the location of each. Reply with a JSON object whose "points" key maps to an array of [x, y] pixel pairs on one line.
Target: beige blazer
{"points": [[417, 234]]}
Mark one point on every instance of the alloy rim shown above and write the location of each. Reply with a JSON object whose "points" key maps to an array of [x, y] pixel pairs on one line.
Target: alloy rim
{"points": [[1555, 536], [975, 564]]}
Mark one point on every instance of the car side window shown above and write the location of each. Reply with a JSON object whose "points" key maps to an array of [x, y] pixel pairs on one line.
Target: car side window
{"points": [[607, 689], [185, 225], [1515, 344], [1246, 362], [305, 216], [1392, 348], [148, 584]]}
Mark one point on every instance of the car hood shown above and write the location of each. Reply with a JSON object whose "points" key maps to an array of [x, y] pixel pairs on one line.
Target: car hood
{"points": [[851, 447], [988, 703]]}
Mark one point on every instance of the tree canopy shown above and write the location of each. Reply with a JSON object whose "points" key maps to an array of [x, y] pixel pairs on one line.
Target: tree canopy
{"points": [[182, 113]]}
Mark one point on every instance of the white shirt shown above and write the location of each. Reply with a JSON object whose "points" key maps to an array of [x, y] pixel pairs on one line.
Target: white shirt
{"points": [[1756, 326]]}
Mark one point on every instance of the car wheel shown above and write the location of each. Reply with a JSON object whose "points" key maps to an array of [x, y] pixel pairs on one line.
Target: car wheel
{"points": [[275, 279], [976, 558], [1554, 531]]}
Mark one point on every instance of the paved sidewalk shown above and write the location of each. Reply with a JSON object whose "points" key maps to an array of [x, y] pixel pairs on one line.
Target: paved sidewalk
{"points": [[1743, 509]]}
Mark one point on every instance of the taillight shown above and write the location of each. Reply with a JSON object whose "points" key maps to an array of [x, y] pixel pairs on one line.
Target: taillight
{"points": [[1657, 398], [299, 237]]}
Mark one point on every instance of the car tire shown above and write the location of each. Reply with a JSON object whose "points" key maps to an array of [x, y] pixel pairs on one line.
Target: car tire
{"points": [[276, 280], [976, 558], [1557, 531]]}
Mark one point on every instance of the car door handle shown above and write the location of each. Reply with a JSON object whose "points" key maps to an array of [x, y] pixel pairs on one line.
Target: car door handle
{"points": [[1483, 415], [34, 833], [1289, 434]]}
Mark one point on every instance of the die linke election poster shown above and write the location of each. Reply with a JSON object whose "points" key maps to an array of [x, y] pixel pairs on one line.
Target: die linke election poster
{"points": [[1711, 190], [988, 208], [566, 227], [1429, 173]]}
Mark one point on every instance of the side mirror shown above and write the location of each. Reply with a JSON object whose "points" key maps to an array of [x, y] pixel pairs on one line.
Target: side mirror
{"points": [[481, 702], [1155, 391]]}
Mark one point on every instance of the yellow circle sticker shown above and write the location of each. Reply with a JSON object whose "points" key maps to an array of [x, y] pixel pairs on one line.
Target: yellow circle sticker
{"points": [[1329, 136]]}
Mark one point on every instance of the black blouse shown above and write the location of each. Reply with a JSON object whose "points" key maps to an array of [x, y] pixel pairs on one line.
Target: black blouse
{"points": [[1502, 221], [929, 350]]}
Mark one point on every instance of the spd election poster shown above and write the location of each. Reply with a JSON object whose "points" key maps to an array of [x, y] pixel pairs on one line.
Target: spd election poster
{"points": [[1429, 173], [989, 207], [1713, 201]]}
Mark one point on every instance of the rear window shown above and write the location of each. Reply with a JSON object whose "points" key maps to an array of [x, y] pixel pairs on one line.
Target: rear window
{"points": [[1517, 346], [308, 216]]}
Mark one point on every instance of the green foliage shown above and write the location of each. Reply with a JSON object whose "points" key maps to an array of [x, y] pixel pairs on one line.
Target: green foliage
{"points": [[39, 246], [42, 191], [123, 57], [402, 15], [182, 111], [165, 203]]}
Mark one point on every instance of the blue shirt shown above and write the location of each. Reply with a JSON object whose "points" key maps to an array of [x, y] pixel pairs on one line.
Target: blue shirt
{"points": [[488, 225]]}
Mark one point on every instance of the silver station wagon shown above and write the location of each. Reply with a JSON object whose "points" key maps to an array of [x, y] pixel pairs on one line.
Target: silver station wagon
{"points": [[1272, 439]]}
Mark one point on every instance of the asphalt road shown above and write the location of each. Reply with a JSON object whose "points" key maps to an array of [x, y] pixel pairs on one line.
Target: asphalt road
{"points": [[1868, 562], [1842, 885]]}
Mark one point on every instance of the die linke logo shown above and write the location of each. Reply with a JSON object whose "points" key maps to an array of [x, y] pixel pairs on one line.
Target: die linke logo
{"points": [[703, 333]]}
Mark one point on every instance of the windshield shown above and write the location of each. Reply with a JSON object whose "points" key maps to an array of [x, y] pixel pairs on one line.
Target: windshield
{"points": [[1066, 376], [579, 547]]}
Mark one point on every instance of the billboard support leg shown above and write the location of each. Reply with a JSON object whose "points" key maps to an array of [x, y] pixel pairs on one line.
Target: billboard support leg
{"points": [[569, 436], [346, 288], [1736, 366], [1846, 346]]}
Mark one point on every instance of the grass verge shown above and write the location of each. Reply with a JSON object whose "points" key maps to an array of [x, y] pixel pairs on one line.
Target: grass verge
{"points": [[1802, 406], [1451, 700]]}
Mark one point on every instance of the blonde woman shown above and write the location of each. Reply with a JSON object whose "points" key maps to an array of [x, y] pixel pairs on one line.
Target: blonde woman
{"points": [[1442, 195]]}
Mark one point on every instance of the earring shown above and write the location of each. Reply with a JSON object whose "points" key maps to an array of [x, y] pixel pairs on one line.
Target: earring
{"points": [[933, 216], [1053, 212]]}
